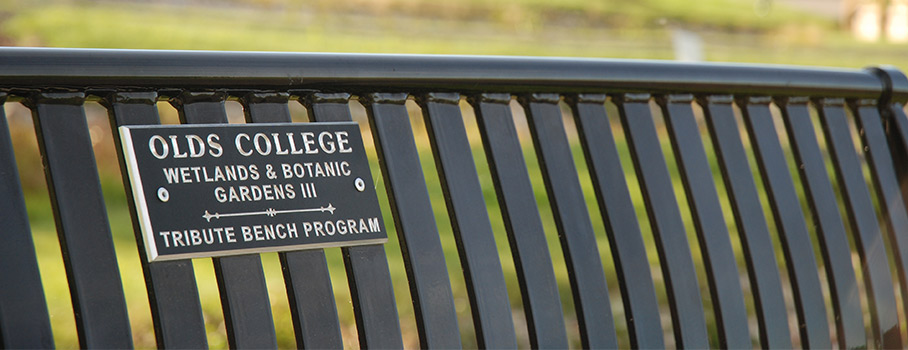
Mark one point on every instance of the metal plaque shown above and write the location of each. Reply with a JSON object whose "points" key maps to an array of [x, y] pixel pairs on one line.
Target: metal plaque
{"points": [[216, 190]]}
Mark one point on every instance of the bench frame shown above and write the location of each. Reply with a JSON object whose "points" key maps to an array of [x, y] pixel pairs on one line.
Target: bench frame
{"points": [[54, 84]]}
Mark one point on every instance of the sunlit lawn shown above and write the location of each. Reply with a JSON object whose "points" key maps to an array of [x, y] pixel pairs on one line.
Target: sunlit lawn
{"points": [[730, 30]]}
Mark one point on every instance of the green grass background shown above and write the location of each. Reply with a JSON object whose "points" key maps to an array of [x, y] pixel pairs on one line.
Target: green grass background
{"points": [[731, 30]]}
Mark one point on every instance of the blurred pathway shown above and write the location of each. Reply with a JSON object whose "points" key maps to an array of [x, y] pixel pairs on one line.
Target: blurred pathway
{"points": [[828, 8]]}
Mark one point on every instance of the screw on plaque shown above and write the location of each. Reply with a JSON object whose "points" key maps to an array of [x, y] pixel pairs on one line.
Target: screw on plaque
{"points": [[163, 195], [360, 184]]}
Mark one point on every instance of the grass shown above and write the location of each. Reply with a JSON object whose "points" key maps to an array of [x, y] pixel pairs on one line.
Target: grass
{"points": [[730, 29], [741, 15]]}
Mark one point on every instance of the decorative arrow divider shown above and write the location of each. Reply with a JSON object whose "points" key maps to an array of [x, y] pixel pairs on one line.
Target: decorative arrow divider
{"points": [[270, 212]]}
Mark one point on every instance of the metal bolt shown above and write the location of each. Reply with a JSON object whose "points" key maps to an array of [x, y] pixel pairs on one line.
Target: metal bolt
{"points": [[163, 195], [360, 184]]}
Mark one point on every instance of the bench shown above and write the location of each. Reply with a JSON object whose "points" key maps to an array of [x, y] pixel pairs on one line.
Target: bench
{"points": [[758, 124]]}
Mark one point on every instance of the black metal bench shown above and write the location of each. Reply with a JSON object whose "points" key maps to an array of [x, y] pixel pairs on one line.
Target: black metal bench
{"points": [[871, 213]]}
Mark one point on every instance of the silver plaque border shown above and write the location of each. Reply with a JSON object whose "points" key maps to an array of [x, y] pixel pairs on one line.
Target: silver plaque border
{"points": [[151, 250]]}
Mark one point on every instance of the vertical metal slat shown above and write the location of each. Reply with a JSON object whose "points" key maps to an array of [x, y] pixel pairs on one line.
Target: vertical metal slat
{"points": [[641, 308], [172, 291], [479, 256], [897, 130], [665, 217], [241, 280], [713, 235], [82, 224], [368, 275], [753, 230], [24, 322], [871, 248], [846, 298], [790, 222], [889, 194], [430, 287], [578, 242], [266, 107], [309, 291], [541, 301]]}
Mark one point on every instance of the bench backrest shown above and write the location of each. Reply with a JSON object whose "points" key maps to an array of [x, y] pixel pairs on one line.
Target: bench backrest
{"points": [[699, 104]]}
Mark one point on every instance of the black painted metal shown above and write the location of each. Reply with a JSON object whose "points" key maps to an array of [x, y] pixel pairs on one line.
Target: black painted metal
{"points": [[82, 225], [641, 308], [541, 301], [831, 234], [572, 219], [367, 266], [241, 280], [889, 194], [172, 291], [895, 86], [373, 297], [897, 130], [892, 111], [715, 243], [24, 322], [430, 286], [665, 218], [311, 299], [43, 68], [309, 290], [864, 225], [753, 231], [266, 107], [479, 256], [790, 222]]}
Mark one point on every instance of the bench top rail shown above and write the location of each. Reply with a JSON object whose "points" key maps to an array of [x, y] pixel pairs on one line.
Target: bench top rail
{"points": [[43, 68]]}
